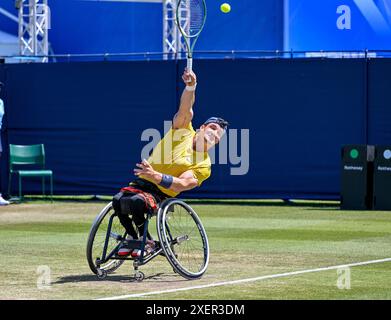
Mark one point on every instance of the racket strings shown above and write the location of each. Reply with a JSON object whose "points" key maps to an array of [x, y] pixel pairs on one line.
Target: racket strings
{"points": [[192, 15]]}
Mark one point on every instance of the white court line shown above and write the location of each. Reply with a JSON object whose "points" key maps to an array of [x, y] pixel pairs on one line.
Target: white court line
{"points": [[217, 284]]}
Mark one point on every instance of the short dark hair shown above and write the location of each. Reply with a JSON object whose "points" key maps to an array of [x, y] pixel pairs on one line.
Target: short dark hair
{"points": [[220, 121]]}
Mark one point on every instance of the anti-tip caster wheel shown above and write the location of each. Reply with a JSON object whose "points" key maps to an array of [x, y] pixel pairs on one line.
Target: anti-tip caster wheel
{"points": [[139, 276], [101, 274]]}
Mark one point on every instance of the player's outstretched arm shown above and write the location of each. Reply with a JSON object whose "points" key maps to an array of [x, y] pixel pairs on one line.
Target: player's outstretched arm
{"points": [[185, 181], [185, 113]]}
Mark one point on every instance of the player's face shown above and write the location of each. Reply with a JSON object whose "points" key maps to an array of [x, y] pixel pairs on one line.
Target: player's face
{"points": [[208, 136]]}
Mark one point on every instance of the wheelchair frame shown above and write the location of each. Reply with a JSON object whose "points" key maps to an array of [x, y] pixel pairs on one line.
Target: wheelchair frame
{"points": [[159, 249]]}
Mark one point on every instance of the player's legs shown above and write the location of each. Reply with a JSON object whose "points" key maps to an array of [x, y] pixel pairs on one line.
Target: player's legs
{"points": [[137, 207], [122, 209], [130, 207]]}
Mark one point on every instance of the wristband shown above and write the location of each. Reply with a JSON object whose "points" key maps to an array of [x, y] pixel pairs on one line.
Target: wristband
{"points": [[167, 181], [191, 88]]}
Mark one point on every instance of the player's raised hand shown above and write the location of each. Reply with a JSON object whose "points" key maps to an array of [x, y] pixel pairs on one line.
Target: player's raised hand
{"points": [[189, 78]]}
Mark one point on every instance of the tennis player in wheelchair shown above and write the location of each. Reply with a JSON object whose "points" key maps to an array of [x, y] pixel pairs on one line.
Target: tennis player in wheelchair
{"points": [[179, 162]]}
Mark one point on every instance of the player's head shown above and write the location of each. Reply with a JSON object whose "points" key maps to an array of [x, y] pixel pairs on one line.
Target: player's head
{"points": [[210, 133]]}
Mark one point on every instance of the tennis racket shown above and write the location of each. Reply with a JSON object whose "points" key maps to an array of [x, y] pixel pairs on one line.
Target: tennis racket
{"points": [[190, 19]]}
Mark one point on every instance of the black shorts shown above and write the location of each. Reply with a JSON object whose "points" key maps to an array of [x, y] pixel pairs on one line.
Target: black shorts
{"points": [[149, 187], [131, 203]]}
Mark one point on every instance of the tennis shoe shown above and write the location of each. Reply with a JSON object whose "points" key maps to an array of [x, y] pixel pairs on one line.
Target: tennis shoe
{"points": [[3, 202], [149, 247], [124, 250]]}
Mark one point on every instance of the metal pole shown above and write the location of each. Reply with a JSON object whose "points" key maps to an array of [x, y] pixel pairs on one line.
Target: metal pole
{"points": [[34, 24]]}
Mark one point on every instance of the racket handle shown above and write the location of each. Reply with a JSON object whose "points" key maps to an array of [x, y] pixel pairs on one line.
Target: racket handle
{"points": [[189, 65]]}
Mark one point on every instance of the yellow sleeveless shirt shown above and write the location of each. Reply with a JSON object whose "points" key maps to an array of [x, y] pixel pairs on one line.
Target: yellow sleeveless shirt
{"points": [[174, 155]]}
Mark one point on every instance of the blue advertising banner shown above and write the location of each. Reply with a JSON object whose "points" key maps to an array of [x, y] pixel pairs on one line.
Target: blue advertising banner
{"points": [[121, 26], [337, 25], [288, 121]]}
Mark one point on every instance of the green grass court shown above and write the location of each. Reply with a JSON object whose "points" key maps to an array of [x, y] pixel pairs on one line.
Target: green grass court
{"points": [[247, 239]]}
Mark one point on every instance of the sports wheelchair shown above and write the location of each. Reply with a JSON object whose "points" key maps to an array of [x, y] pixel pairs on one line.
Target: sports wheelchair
{"points": [[182, 240]]}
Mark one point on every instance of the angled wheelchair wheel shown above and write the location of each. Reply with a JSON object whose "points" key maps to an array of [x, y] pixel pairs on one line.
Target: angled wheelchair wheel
{"points": [[105, 235], [183, 238]]}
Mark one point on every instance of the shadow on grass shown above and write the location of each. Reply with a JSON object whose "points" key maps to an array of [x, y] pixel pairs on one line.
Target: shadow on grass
{"points": [[234, 202], [266, 203], [160, 277], [330, 208], [61, 199]]}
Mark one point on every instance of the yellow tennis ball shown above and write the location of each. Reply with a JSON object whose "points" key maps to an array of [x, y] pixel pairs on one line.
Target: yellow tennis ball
{"points": [[225, 7]]}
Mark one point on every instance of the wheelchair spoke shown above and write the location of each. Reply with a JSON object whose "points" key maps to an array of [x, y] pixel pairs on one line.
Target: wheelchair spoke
{"points": [[97, 246], [189, 246]]}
